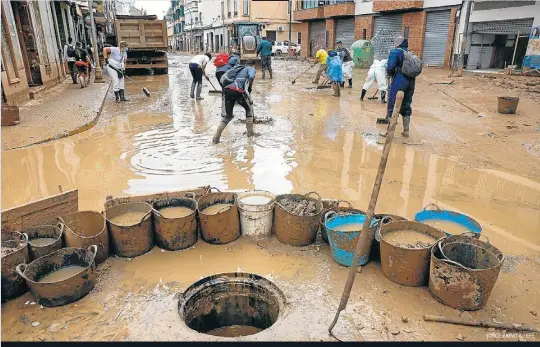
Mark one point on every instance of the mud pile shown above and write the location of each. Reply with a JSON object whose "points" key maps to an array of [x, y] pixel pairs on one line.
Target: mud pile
{"points": [[7, 250], [300, 207]]}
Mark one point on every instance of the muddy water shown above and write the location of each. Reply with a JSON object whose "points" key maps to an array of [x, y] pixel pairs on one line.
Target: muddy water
{"points": [[175, 212], [234, 331], [215, 209], [349, 227], [409, 239], [62, 274], [448, 227], [128, 219], [42, 241], [256, 200]]}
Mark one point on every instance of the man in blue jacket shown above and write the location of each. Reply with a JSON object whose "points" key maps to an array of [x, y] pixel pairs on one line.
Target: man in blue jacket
{"points": [[399, 83], [265, 50], [234, 59]]}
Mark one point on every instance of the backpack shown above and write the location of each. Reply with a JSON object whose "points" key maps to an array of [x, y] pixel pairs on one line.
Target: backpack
{"points": [[221, 59], [71, 51], [412, 65], [230, 76]]}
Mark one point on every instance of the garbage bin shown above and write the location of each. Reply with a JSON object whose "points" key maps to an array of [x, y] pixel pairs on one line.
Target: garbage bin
{"points": [[362, 53]]}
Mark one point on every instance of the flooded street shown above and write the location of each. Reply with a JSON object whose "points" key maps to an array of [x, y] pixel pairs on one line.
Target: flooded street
{"points": [[315, 143]]}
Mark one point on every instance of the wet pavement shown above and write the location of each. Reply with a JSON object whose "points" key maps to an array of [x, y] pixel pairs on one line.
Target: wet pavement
{"points": [[315, 143]]}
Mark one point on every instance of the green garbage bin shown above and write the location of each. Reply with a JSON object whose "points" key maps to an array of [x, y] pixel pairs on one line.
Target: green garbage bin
{"points": [[362, 53]]}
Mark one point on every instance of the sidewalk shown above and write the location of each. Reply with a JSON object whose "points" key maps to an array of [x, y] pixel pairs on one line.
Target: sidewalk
{"points": [[62, 111]]}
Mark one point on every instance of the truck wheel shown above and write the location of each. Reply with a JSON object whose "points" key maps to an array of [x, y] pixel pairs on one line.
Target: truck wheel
{"points": [[278, 53], [162, 71]]}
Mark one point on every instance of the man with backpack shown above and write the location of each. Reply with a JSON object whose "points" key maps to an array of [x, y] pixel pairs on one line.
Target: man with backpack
{"points": [[237, 82], [70, 58], [224, 62], [403, 66], [265, 50]]}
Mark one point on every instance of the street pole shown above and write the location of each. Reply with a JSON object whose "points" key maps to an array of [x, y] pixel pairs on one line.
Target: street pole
{"points": [[99, 73], [464, 40], [290, 24]]}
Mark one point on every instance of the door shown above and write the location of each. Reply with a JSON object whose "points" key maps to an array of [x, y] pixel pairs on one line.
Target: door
{"points": [[271, 35], [317, 36], [345, 32], [436, 37], [386, 29]]}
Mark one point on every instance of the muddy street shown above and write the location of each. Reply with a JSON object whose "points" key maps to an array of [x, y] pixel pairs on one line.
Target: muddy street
{"points": [[463, 156]]}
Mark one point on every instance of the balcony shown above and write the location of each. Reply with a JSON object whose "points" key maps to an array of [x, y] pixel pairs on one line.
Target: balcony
{"points": [[385, 5], [310, 13]]}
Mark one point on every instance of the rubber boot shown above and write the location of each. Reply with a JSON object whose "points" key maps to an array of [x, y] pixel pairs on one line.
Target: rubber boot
{"points": [[199, 89], [219, 130], [264, 74], [193, 85], [223, 113], [117, 96], [363, 94], [342, 84], [122, 95], [337, 91], [270, 72], [383, 97], [406, 123], [81, 79], [350, 83], [249, 126]]}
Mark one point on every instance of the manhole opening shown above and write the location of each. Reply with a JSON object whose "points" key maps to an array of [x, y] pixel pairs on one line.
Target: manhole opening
{"points": [[231, 305]]}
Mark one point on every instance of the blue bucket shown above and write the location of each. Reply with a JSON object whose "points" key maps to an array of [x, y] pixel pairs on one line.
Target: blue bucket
{"points": [[429, 215], [343, 243]]}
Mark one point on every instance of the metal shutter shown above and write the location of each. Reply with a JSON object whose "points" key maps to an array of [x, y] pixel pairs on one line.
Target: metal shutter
{"points": [[391, 24], [435, 38], [345, 32], [317, 35], [503, 27]]}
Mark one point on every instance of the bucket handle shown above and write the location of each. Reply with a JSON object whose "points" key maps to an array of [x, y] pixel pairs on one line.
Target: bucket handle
{"points": [[345, 201], [21, 268], [318, 196], [145, 217], [476, 236], [93, 249], [329, 214], [190, 195], [437, 208], [24, 237], [61, 227], [156, 212], [379, 224], [210, 190]]}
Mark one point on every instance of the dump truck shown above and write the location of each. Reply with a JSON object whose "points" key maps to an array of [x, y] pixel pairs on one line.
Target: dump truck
{"points": [[147, 42], [245, 39]]}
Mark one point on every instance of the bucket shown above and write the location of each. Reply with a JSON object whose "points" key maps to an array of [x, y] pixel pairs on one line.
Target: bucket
{"points": [[463, 272], [381, 219], [407, 266], [13, 285], [36, 248], [507, 104], [67, 289], [86, 228], [341, 210], [447, 220], [328, 204], [256, 216], [294, 229], [174, 233], [222, 227], [343, 243], [136, 236]]}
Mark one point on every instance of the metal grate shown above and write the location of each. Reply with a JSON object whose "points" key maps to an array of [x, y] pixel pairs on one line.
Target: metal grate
{"points": [[503, 27]]}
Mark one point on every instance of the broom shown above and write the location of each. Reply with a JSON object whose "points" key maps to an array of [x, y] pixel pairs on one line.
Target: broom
{"points": [[144, 89], [215, 91]]}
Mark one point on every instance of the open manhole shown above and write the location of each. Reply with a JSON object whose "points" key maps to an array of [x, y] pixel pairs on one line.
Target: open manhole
{"points": [[231, 304]]}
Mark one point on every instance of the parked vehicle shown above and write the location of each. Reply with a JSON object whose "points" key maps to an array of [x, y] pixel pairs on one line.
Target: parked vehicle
{"points": [[245, 39], [278, 48]]}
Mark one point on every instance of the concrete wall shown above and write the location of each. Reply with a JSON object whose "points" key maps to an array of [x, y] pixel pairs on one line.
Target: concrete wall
{"points": [[506, 13], [361, 23], [416, 21]]}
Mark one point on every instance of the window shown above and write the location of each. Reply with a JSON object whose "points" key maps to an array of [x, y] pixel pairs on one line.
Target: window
{"points": [[235, 8], [289, 4], [245, 7], [299, 38], [222, 10], [229, 8], [364, 34]]}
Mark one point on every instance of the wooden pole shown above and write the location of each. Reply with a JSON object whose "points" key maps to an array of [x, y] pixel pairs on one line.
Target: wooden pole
{"points": [[515, 48], [480, 323], [365, 240]]}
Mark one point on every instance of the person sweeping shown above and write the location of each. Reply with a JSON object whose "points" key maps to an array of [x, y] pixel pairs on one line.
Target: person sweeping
{"points": [[334, 71], [115, 58], [224, 63], [197, 67], [377, 72], [320, 57]]}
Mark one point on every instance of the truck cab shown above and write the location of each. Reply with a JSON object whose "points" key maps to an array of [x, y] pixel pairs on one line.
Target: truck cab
{"points": [[245, 39]]}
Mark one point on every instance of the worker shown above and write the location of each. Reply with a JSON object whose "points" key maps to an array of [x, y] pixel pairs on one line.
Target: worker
{"points": [[197, 66], [236, 93], [265, 50], [400, 82], [233, 60], [348, 63], [82, 63], [334, 71], [320, 57], [377, 72], [115, 58]]}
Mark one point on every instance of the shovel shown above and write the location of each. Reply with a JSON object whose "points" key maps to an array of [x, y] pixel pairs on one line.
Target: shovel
{"points": [[215, 91]]}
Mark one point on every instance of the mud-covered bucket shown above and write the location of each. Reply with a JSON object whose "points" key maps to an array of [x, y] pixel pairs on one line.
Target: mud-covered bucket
{"points": [[381, 219], [14, 252], [404, 263], [341, 210], [84, 229], [507, 104], [175, 222], [450, 222], [343, 234], [130, 228], [256, 213], [44, 239], [218, 217], [297, 218], [61, 277], [463, 271]]}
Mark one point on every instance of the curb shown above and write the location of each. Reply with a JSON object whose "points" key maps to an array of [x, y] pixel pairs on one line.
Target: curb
{"points": [[75, 131]]}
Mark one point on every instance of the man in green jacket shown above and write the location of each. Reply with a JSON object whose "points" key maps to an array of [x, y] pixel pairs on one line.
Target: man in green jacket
{"points": [[265, 50]]}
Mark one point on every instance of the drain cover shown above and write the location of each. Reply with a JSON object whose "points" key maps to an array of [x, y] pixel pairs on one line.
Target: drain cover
{"points": [[231, 304]]}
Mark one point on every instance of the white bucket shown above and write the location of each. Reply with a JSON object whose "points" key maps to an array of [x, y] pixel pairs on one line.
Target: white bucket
{"points": [[256, 213]]}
